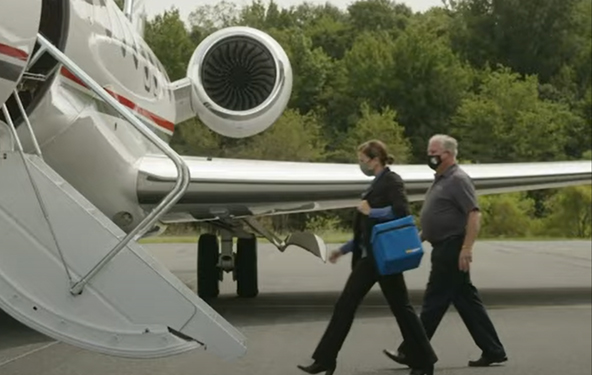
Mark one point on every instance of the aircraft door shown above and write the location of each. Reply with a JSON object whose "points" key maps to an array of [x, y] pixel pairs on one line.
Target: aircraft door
{"points": [[19, 24]]}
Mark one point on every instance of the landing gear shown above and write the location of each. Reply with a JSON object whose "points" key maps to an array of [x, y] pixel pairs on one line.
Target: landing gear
{"points": [[246, 267], [208, 273], [212, 262]]}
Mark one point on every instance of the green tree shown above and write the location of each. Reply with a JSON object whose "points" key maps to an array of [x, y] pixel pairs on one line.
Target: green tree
{"points": [[311, 67], [436, 22], [263, 17], [375, 15], [368, 64], [580, 135], [570, 213], [294, 137], [169, 39], [531, 37], [506, 215], [194, 138], [331, 33], [427, 83], [507, 122], [206, 19], [375, 125]]}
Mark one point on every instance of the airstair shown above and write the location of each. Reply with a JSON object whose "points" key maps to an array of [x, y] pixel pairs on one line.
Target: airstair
{"points": [[69, 272]]}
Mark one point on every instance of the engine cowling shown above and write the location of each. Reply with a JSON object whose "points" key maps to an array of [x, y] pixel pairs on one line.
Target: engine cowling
{"points": [[241, 81]]}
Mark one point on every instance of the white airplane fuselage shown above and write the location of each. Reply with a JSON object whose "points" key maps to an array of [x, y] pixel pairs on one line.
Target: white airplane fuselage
{"points": [[83, 139]]}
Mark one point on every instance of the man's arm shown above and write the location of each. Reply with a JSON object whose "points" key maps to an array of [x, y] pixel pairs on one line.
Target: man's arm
{"points": [[473, 227], [466, 198]]}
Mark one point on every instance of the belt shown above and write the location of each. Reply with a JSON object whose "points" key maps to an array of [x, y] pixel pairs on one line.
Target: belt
{"points": [[447, 239]]}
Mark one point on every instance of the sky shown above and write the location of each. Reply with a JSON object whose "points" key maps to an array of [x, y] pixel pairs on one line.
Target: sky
{"points": [[154, 7]]}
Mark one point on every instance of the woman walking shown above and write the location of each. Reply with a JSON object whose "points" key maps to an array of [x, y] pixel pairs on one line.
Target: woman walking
{"points": [[385, 200]]}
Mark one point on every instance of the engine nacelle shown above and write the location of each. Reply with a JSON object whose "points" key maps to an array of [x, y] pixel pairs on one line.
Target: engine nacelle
{"points": [[241, 81]]}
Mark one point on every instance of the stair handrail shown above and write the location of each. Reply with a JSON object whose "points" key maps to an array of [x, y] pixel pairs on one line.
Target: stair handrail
{"points": [[183, 174], [34, 185]]}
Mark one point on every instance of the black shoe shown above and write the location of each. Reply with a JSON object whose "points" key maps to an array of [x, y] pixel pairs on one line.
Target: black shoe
{"points": [[485, 361], [423, 371], [397, 357], [317, 368]]}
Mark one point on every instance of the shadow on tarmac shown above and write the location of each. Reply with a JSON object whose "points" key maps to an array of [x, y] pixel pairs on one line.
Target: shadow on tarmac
{"points": [[14, 334], [405, 371], [298, 307]]}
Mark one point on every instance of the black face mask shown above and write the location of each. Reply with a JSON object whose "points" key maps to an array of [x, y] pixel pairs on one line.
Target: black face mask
{"points": [[434, 161]]}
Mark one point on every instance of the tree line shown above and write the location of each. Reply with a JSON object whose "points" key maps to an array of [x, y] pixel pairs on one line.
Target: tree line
{"points": [[510, 79]]}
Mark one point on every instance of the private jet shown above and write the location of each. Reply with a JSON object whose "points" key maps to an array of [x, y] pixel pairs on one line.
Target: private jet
{"points": [[87, 112]]}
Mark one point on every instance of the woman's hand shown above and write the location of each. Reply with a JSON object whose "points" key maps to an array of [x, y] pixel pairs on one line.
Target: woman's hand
{"points": [[336, 254], [364, 207]]}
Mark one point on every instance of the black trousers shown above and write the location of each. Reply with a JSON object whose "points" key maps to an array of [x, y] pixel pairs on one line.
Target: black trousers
{"points": [[448, 284], [364, 275]]}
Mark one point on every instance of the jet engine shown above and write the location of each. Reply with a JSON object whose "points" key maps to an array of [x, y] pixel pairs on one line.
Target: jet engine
{"points": [[241, 81]]}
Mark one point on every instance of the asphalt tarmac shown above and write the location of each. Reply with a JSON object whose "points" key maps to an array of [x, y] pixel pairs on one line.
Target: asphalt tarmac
{"points": [[538, 295]]}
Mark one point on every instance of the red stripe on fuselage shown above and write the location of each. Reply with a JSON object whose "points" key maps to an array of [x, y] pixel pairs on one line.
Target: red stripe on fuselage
{"points": [[13, 52], [165, 124]]}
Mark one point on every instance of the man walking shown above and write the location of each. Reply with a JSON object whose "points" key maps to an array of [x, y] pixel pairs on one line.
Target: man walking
{"points": [[450, 221]]}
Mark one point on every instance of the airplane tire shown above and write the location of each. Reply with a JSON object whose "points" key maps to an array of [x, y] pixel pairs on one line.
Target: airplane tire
{"points": [[246, 267], [208, 273]]}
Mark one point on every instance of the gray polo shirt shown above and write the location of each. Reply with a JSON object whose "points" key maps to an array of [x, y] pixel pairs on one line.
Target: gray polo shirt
{"points": [[447, 205]]}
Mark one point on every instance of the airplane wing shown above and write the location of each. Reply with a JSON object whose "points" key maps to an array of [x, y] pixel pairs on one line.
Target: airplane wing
{"points": [[235, 188]]}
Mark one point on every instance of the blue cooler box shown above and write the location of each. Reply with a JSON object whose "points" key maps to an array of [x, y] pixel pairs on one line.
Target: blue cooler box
{"points": [[397, 246]]}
